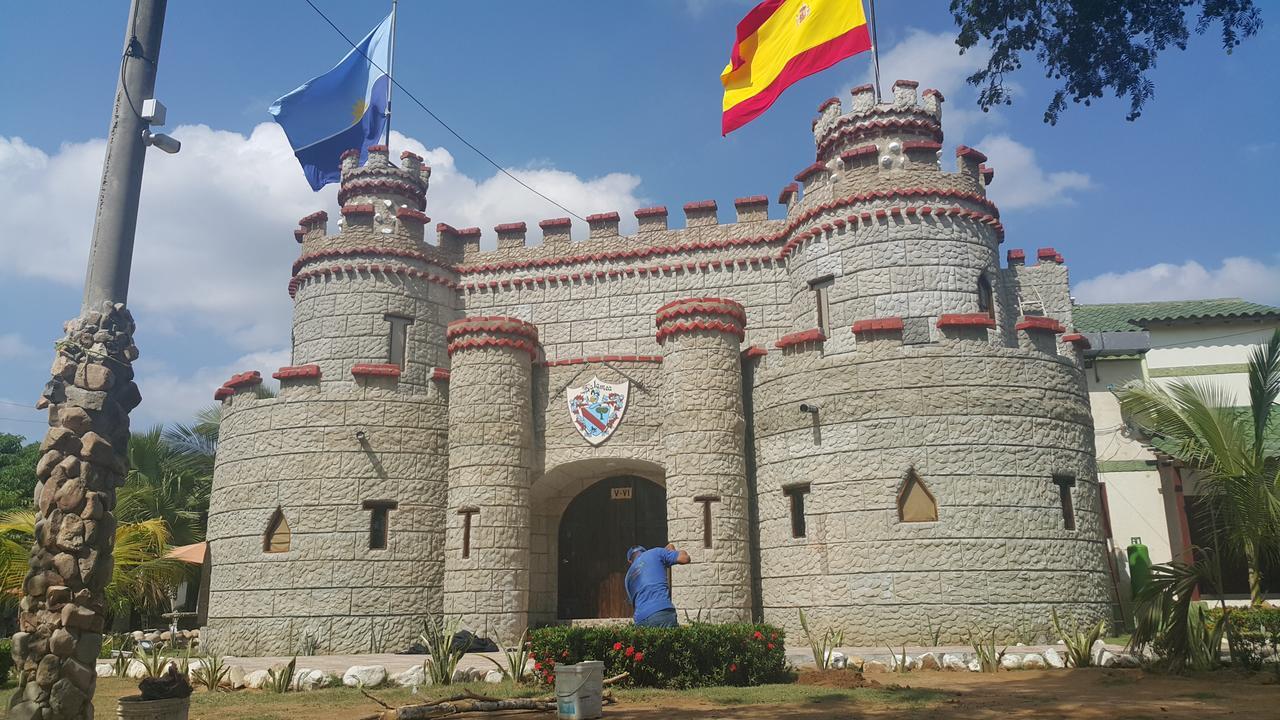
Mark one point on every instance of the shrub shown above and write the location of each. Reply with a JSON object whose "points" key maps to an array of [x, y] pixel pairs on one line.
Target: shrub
{"points": [[694, 655], [6, 660], [1254, 632]]}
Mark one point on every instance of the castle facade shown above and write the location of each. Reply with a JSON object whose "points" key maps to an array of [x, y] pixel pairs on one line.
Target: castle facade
{"points": [[855, 410]]}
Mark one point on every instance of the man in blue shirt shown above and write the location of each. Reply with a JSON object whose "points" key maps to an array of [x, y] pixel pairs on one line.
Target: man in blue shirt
{"points": [[647, 587]]}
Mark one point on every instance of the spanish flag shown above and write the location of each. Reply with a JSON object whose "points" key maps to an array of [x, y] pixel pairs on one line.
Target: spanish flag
{"points": [[782, 41]]}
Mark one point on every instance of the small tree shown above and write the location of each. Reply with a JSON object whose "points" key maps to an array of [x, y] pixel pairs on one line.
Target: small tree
{"points": [[1091, 46], [1228, 448]]}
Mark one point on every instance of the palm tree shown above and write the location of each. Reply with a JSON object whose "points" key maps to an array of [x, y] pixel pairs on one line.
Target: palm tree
{"points": [[141, 578], [1240, 473], [167, 484]]}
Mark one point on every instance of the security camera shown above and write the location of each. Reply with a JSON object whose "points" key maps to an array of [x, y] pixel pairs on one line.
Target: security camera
{"points": [[811, 408], [162, 141], [360, 436]]}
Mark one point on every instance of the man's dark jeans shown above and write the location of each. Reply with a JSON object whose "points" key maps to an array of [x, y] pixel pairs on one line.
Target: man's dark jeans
{"points": [[662, 618]]}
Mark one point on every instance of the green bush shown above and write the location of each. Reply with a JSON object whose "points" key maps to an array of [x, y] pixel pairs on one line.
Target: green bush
{"points": [[6, 660], [695, 655], [1254, 632]]}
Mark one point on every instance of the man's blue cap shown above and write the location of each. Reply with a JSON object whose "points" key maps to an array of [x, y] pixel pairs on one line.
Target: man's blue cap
{"points": [[634, 551]]}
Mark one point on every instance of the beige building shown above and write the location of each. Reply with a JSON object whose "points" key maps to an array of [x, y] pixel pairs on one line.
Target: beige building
{"points": [[1150, 498], [854, 408]]}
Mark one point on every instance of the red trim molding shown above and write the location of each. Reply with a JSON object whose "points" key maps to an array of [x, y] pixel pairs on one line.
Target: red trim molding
{"points": [[410, 214], [472, 343], [375, 370], [966, 320], [297, 372], [350, 210], [244, 379], [1080, 341], [660, 210], [969, 153], [687, 326], [1039, 322], [657, 359], [884, 324], [487, 324], [561, 222], [440, 374], [701, 306], [755, 351], [799, 338]]}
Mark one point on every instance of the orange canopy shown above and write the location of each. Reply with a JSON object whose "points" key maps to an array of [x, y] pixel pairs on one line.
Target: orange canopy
{"points": [[193, 554]]}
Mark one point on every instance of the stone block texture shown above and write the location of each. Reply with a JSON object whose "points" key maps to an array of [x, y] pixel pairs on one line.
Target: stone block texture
{"points": [[430, 373]]}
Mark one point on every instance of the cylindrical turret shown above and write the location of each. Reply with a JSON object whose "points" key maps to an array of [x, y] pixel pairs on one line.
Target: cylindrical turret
{"points": [[327, 509], [898, 236], [703, 445], [376, 293], [487, 552]]}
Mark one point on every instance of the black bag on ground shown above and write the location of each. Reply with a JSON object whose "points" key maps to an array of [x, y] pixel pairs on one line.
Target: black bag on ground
{"points": [[467, 642]]}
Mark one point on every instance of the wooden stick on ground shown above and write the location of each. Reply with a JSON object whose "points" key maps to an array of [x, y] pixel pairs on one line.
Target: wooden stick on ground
{"points": [[616, 678]]}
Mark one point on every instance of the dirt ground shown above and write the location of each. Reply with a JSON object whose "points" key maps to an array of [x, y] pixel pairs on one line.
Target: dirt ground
{"points": [[1088, 693]]}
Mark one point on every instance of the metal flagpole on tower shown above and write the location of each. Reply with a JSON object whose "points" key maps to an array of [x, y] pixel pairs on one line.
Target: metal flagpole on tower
{"points": [[391, 64], [875, 46]]}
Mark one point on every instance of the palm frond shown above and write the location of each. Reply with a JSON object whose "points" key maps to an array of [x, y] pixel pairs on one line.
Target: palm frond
{"points": [[1264, 387]]}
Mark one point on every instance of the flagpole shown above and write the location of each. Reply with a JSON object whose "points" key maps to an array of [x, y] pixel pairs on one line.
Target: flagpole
{"points": [[875, 46], [391, 64]]}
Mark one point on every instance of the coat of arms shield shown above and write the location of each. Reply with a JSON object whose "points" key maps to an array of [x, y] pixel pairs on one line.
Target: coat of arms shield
{"points": [[597, 407]]}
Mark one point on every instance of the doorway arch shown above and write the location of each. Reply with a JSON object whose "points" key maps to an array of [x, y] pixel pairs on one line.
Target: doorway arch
{"points": [[596, 529]]}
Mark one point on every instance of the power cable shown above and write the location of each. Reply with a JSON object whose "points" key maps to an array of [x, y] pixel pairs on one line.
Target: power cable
{"points": [[435, 117]]}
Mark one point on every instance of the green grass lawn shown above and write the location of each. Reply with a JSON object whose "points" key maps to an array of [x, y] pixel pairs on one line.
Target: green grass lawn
{"points": [[349, 703]]}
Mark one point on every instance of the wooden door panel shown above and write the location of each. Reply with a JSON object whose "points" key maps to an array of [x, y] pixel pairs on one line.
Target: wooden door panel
{"points": [[595, 531]]}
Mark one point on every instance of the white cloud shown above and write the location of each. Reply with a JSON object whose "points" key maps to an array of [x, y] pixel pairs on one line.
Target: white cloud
{"points": [[170, 395], [934, 60], [1020, 182], [1236, 277], [215, 244], [13, 346]]}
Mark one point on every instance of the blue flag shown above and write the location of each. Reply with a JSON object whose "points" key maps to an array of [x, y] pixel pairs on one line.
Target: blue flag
{"points": [[343, 109]]}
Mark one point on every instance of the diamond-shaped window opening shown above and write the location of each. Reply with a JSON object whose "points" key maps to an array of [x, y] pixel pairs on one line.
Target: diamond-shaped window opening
{"points": [[278, 535], [915, 502]]}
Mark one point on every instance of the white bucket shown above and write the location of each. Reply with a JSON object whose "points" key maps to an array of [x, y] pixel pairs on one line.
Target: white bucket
{"points": [[578, 690]]}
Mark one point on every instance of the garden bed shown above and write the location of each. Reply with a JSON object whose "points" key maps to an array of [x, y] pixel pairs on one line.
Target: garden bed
{"points": [[1088, 693]]}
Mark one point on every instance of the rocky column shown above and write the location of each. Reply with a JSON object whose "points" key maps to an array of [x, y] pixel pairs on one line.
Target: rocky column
{"points": [[487, 556], [83, 460], [703, 442]]}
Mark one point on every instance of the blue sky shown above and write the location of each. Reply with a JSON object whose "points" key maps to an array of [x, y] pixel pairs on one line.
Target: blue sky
{"points": [[605, 106]]}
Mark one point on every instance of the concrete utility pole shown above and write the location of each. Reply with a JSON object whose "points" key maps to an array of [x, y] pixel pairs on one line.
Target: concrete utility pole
{"points": [[111, 254], [84, 456]]}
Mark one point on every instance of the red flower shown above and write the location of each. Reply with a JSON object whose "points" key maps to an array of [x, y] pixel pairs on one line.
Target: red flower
{"points": [[733, 667], [537, 666], [617, 646], [533, 656], [639, 656], [770, 646], [773, 636], [759, 635], [630, 651], [566, 652]]}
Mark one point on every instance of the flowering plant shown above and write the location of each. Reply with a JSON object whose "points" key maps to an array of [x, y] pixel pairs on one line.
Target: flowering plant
{"points": [[694, 655]]}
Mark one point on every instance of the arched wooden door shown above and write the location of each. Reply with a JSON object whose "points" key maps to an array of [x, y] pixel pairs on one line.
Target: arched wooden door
{"points": [[595, 531]]}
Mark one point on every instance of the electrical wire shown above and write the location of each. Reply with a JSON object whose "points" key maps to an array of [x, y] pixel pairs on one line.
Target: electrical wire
{"points": [[435, 117]]}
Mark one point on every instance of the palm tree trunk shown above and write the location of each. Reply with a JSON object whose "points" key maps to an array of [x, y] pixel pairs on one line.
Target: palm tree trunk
{"points": [[1256, 594], [83, 460]]}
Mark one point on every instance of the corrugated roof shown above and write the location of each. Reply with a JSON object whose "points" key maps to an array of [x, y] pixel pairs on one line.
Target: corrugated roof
{"points": [[1123, 317]]}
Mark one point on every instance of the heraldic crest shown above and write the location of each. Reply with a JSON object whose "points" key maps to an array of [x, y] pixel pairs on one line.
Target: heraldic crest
{"points": [[596, 408]]}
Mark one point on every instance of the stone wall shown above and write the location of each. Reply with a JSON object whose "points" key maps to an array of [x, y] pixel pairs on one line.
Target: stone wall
{"points": [[985, 406], [986, 429], [300, 453]]}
